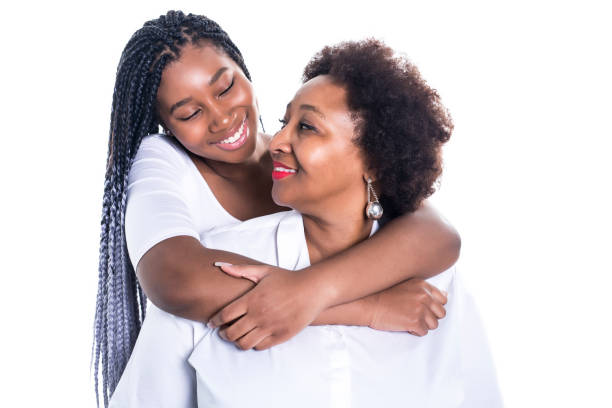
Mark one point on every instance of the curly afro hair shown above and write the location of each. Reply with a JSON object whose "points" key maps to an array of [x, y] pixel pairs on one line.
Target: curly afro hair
{"points": [[399, 121]]}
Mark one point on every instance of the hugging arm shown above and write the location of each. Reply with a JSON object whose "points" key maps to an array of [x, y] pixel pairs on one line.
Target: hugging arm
{"points": [[178, 275], [416, 245]]}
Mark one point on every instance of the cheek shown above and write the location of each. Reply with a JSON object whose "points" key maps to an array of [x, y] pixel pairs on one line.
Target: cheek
{"points": [[190, 134], [329, 163], [243, 94]]}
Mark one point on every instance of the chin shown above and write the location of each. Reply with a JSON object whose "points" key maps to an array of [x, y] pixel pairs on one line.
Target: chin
{"points": [[280, 197]]}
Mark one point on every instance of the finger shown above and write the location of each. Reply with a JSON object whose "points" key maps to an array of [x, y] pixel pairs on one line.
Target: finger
{"points": [[229, 313], [266, 343], [238, 329], [438, 310], [438, 295], [278, 337], [251, 339], [431, 321], [253, 273], [227, 268], [418, 332]]}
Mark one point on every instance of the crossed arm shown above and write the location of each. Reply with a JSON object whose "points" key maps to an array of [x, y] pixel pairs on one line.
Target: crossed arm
{"points": [[178, 275]]}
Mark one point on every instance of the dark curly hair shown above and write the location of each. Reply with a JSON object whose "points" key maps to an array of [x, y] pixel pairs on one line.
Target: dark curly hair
{"points": [[400, 122]]}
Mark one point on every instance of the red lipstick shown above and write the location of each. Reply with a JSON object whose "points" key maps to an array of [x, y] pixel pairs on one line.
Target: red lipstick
{"points": [[281, 171]]}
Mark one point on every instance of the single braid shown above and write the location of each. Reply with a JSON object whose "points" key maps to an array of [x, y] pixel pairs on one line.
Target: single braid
{"points": [[121, 302]]}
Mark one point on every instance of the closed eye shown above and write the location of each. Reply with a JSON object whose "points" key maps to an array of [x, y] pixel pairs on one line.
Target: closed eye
{"points": [[228, 88], [190, 116]]}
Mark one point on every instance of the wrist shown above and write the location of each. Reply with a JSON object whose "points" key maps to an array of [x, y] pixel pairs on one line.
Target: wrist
{"points": [[321, 288], [371, 311]]}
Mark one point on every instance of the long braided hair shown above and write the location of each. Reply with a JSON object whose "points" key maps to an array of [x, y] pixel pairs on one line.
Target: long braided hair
{"points": [[121, 303]]}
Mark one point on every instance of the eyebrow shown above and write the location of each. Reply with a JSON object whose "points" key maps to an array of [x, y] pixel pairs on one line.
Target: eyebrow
{"points": [[179, 104], [310, 108], [217, 75], [213, 79]]}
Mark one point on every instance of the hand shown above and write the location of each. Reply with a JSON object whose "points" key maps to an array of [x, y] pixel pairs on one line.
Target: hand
{"points": [[280, 306], [413, 306]]}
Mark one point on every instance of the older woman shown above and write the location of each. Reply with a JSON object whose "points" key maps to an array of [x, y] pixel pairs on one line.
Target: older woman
{"points": [[349, 133]]}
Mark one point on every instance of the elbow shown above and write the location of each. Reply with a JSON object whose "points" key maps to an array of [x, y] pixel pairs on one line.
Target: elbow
{"points": [[168, 289], [452, 245], [171, 301]]}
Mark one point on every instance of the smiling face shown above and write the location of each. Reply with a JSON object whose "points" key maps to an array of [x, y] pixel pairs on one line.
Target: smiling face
{"points": [[205, 100], [317, 167]]}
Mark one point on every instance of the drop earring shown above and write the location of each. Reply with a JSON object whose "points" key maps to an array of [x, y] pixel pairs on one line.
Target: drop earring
{"points": [[373, 210]]}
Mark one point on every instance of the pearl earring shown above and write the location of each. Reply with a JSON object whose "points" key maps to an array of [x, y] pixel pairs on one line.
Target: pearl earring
{"points": [[373, 210]]}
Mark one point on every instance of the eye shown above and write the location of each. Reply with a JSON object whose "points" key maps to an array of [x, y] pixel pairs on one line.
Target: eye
{"points": [[306, 126], [283, 123], [228, 88], [190, 116]]}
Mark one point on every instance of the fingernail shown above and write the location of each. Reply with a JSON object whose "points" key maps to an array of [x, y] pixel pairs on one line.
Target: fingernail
{"points": [[210, 325], [445, 293], [223, 264]]}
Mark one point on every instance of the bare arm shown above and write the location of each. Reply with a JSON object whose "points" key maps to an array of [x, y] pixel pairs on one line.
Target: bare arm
{"points": [[178, 274], [420, 244], [417, 245], [166, 273], [179, 277], [172, 287]]}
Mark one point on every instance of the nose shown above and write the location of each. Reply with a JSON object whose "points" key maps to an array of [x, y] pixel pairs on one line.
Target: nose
{"points": [[220, 119], [280, 143]]}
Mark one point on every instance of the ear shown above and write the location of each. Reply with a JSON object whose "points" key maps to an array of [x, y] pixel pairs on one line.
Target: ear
{"points": [[165, 129], [369, 176]]}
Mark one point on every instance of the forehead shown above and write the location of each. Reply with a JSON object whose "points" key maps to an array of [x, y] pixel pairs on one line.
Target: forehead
{"points": [[204, 55], [322, 92], [196, 63]]}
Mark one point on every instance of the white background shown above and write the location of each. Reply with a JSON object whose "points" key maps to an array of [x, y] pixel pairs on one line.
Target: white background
{"points": [[526, 176]]}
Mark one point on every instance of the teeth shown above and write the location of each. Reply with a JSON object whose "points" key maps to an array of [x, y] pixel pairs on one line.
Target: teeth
{"points": [[283, 169], [236, 135]]}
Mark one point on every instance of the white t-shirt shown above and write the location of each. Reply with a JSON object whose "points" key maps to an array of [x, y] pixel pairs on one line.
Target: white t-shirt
{"points": [[167, 197], [177, 362]]}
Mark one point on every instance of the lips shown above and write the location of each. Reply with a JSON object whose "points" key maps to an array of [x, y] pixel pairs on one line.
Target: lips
{"points": [[281, 171], [235, 137]]}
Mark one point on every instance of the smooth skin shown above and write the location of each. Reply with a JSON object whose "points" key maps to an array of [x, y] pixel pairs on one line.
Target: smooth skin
{"points": [[202, 98]]}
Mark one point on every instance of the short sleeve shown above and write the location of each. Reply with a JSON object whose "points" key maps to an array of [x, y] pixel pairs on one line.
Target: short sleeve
{"points": [[157, 206]]}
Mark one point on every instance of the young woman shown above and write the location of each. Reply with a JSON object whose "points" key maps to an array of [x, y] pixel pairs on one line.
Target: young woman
{"points": [[161, 197], [338, 366]]}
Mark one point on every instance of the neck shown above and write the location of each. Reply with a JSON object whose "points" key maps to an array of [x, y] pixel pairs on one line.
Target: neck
{"points": [[328, 235]]}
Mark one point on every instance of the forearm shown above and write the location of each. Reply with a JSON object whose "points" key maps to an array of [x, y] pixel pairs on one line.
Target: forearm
{"points": [[419, 245], [178, 275], [355, 313]]}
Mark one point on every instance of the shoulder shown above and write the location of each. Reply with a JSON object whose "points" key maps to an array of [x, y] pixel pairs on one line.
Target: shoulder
{"points": [[258, 226], [161, 163], [161, 146], [255, 238]]}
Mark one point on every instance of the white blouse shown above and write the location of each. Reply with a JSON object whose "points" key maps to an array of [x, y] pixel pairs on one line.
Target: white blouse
{"points": [[182, 363]]}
